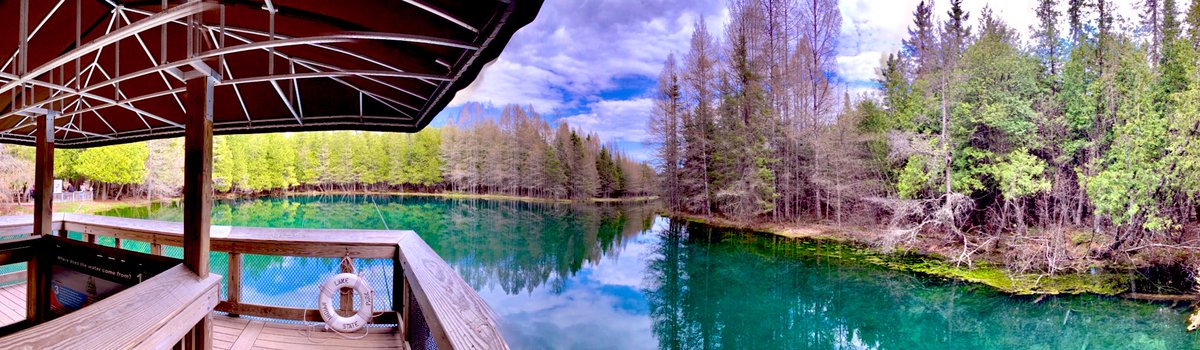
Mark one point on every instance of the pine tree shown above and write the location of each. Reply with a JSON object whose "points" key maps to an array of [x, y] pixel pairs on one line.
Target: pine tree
{"points": [[1193, 24], [1046, 37], [697, 129], [1075, 14], [1152, 23], [921, 47]]}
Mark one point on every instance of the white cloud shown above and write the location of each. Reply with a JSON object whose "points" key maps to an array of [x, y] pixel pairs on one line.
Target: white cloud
{"points": [[506, 81], [576, 50], [626, 267], [616, 120], [859, 67]]}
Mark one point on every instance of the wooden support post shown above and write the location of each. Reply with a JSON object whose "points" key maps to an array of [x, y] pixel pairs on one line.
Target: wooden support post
{"points": [[43, 178], [233, 288], [117, 243], [197, 175], [43, 210], [347, 296], [406, 314], [399, 299], [197, 190], [155, 249]]}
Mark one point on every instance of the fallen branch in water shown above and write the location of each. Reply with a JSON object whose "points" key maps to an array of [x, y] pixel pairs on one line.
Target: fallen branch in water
{"points": [[1161, 297]]}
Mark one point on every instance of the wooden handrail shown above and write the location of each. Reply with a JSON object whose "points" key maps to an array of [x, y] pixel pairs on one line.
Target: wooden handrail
{"points": [[14, 276], [455, 314], [16, 225], [246, 240], [17, 250], [154, 314]]}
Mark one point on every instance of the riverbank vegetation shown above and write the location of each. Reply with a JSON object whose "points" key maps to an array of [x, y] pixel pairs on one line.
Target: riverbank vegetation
{"points": [[1053, 152], [516, 154]]}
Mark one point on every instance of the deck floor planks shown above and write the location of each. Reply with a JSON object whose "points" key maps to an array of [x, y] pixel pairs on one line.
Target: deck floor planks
{"points": [[12, 303], [288, 337], [246, 339], [238, 333]]}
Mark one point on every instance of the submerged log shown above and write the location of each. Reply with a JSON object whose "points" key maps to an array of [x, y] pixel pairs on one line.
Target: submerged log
{"points": [[1161, 297]]}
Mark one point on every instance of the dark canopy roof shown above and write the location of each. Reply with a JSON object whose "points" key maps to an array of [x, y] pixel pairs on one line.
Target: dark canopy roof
{"points": [[283, 65]]}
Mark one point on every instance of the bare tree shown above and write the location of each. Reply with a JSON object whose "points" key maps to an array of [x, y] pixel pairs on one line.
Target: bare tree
{"points": [[665, 126], [819, 23], [164, 168], [16, 174]]}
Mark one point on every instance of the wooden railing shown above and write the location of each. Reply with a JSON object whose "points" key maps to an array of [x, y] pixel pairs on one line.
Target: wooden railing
{"points": [[433, 304], [158, 313]]}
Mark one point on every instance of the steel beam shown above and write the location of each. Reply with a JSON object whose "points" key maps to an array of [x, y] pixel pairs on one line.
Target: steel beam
{"points": [[180, 11]]}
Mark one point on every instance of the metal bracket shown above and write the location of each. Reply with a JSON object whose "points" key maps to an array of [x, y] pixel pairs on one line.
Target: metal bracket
{"points": [[37, 111], [201, 69]]}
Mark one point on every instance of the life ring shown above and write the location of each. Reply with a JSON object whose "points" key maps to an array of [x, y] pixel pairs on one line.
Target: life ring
{"points": [[332, 287]]}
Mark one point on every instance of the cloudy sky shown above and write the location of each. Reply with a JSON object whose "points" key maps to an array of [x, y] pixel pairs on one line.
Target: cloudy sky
{"points": [[593, 63]]}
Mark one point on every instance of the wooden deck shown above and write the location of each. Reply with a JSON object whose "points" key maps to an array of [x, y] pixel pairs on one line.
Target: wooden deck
{"points": [[428, 293], [241, 333], [12, 303]]}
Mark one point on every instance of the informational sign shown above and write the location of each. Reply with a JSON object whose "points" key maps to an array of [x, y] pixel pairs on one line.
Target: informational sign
{"points": [[71, 290], [81, 275]]}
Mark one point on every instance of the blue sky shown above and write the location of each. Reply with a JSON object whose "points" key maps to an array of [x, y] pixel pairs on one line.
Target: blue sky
{"points": [[594, 63]]}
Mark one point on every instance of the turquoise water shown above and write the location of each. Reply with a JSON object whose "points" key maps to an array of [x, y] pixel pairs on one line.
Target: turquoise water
{"points": [[610, 277]]}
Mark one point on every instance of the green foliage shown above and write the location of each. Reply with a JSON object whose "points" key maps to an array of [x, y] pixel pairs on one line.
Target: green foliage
{"points": [[270, 163], [995, 120], [222, 165], [970, 170], [1133, 172], [352, 160], [1020, 175], [65, 161], [120, 164], [915, 179], [903, 101]]}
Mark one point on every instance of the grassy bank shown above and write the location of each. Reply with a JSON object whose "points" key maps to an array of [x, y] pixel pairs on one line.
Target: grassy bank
{"points": [[852, 243]]}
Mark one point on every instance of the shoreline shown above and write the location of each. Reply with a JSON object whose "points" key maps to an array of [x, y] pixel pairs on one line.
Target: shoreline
{"points": [[451, 195], [94, 206], [987, 273], [930, 264]]}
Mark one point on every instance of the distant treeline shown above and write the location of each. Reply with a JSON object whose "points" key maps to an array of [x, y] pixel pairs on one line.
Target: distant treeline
{"points": [[519, 154]]}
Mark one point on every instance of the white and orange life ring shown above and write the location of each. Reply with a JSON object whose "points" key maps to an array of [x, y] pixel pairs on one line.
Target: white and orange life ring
{"points": [[332, 287]]}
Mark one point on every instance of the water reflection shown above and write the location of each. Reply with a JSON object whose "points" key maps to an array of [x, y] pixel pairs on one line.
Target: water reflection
{"points": [[612, 277], [719, 289]]}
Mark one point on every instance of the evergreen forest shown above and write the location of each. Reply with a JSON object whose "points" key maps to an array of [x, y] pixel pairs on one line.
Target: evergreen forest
{"points": [[1046, 148], [517, 153]]}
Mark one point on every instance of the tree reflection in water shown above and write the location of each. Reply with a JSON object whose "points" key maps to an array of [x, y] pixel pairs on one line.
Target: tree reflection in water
{"points": [[588, 276], [713, 288]]}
